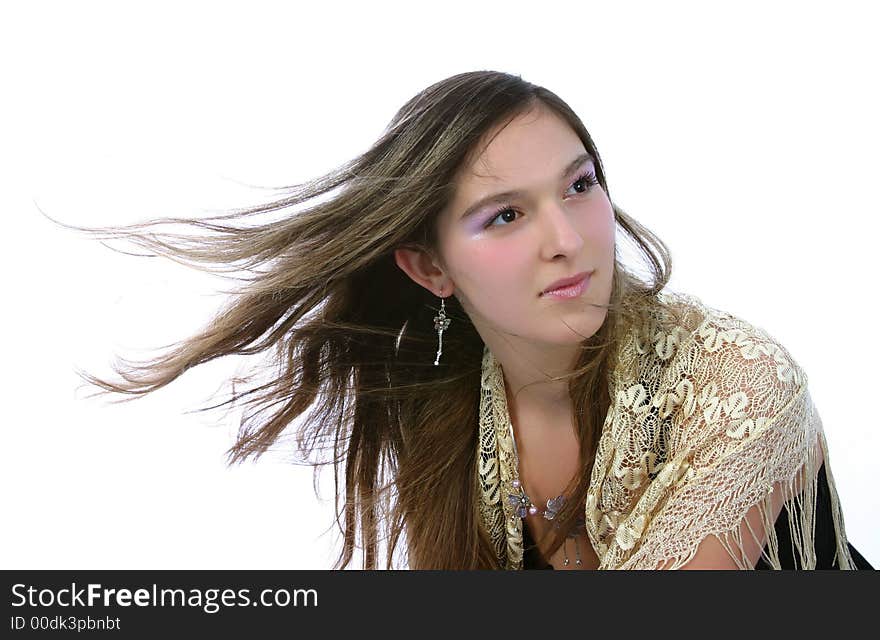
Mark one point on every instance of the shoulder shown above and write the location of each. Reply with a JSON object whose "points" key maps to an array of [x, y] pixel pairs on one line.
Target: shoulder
{"points": [[727, 354], [708, 345], [717, 336], [710, 375], [738, 404]]}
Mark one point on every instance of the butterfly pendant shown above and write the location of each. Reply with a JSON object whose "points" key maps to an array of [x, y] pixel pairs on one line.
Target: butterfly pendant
{"points": [[520, 503], [554, 505]]}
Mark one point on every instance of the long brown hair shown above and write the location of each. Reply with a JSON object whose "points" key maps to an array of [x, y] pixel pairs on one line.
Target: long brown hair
{"points": [[350, 337]]}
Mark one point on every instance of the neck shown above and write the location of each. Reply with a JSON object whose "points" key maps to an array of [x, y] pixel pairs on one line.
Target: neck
{"points": [[528, 375]]}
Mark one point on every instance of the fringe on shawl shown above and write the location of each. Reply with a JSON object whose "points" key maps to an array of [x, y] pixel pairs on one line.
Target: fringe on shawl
{"points": [[800, 506], [800, 498]]}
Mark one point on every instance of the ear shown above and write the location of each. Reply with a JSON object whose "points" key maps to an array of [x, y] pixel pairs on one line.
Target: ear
{"points": [[423, 269]]}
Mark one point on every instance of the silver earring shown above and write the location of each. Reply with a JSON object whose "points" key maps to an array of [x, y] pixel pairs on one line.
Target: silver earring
{"points": [[441, 322]]}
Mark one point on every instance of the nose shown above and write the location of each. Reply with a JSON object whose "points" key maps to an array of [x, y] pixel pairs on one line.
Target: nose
{"points": [[559, 235]]}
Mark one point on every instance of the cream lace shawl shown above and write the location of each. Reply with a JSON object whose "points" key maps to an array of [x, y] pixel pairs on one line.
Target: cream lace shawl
{"points": [[704, 419]]}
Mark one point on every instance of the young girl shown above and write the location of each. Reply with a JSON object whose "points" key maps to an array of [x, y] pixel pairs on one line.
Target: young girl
{"points": [[449, 312]]}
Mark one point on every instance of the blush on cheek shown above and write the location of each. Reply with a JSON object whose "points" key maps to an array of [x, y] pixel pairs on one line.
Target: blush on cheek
{"points": [[497, 261], [502, 273]]}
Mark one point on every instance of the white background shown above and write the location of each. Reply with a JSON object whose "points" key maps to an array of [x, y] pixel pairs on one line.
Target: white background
{"points": [[746, 137]]}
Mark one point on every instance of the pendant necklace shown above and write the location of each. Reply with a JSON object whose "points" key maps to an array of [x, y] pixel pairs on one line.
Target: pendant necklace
{"points": [[524, 506]]}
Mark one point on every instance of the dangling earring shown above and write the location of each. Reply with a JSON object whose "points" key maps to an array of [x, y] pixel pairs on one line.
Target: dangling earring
{"points": [[441, 322]]}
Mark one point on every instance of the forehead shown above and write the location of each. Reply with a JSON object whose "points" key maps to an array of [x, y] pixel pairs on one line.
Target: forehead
{"points": [[529, 149]]}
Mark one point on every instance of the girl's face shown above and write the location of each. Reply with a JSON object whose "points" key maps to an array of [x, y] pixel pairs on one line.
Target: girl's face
{"points": [[501, 253]]}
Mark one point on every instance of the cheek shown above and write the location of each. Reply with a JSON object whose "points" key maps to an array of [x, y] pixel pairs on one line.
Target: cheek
{"points": [[600, 227], [493, 274], [500, 263]]}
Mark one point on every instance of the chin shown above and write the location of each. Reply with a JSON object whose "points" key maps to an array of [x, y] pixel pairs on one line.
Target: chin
{"points": [[584, 326]]}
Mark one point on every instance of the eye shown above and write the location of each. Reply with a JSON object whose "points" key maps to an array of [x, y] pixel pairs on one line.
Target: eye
{"points": [[498, 214], [508, 213], [587, 177]]}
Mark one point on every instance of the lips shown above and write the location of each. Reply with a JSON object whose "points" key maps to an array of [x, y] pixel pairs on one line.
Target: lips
{"points": [[566, 282]]}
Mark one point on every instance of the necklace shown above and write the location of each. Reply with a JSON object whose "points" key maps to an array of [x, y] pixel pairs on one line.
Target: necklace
{"points": [[524, 506]]}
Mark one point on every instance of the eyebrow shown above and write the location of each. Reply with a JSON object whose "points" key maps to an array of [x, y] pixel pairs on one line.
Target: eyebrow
{"points": [[518, 193]]}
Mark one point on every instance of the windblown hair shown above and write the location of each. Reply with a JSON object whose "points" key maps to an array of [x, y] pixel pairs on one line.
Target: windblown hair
{"points": [[350, 337]]}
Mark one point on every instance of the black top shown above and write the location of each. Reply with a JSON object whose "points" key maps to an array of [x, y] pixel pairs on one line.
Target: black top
{"points": [[825, 538]]}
